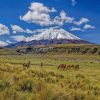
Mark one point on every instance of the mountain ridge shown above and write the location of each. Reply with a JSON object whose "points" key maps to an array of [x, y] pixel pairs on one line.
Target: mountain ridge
{"points": [[53, 35]]}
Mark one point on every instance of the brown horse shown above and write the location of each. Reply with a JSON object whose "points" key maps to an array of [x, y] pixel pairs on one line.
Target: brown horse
{"points": [[26, 65], [68, 67], [62, 66], [72, 66], [77, 67]]}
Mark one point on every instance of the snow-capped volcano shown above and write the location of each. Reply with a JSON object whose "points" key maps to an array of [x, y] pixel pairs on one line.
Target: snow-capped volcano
{"points": [[54, 33]]}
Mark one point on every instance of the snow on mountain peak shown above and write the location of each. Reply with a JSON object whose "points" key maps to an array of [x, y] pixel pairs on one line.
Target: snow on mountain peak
{"points": [[54, 33]]}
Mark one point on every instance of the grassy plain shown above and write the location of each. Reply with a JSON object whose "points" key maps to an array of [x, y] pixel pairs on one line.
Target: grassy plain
{"points": [[49, 83]]}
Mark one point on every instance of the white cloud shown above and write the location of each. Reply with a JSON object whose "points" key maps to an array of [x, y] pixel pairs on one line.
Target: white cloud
{"points": [[76, 29], [2, 43], [39, 7], [73, 2], [4, 29], [87, 26], [38, 14], [8, 41], [82, 21], [62, 19], [29, 31], [19, 38], [16, 28], [39, 30]]}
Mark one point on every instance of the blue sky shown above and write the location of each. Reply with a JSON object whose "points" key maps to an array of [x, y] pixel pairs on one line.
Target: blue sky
{"points": [[20, 19]]}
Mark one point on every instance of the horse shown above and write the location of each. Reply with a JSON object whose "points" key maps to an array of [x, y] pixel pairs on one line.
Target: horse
{"points": [[77, 67], [26, 65], [62, 66], [72, 66], [68, 67]]}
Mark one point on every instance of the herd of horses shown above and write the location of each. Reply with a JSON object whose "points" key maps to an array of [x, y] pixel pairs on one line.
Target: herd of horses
{"points": [[61, 66], [64, 67]]}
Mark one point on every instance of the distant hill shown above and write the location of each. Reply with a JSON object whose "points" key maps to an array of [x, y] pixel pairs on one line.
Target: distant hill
{"points": [[81, 49], [61, 49]]}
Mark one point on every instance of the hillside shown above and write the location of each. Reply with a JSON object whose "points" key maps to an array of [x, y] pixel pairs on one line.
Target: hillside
{"points": [[82, 49], [61, 48]]}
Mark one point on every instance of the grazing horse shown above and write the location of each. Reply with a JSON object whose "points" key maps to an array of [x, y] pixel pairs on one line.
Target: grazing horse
{"points": [[77, 67], [59, 66], [68, 67], [72, 66], [26, 65], [62, 66]]}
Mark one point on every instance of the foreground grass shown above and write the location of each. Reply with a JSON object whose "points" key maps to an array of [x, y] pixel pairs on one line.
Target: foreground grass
{"points": [[49, 83]]}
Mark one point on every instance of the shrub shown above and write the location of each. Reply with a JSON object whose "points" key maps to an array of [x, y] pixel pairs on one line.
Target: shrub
{"points": [[51, 73], [26, 85], [60, 76], [4, 85]]}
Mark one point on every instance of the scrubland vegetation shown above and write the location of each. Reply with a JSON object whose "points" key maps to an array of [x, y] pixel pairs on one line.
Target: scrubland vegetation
{"points": [[49, 83]]}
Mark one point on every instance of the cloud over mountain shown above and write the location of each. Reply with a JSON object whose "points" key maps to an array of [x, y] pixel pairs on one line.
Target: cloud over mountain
{"points": [[62, 19], [4, 29], [19, 38], [2, 43], [87, 26], [38, 14], [82, 21], [76, 29], [16, 28]]}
